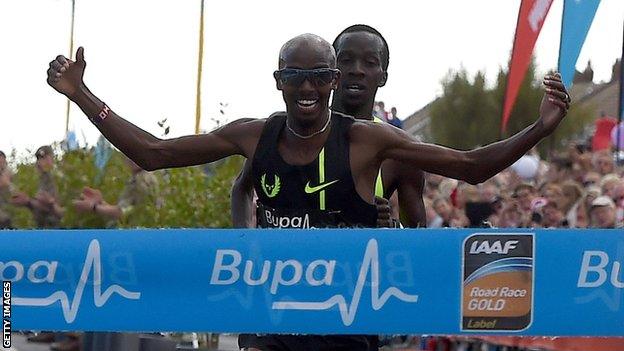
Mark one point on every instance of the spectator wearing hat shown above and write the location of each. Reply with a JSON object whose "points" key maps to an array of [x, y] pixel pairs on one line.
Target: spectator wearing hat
{"points": [[44, 206], [602, 213]]}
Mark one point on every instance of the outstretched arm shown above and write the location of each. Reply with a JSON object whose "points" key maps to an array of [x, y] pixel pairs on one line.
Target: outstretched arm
{"points": [[242, 198], [477, 165], [146, 150]]}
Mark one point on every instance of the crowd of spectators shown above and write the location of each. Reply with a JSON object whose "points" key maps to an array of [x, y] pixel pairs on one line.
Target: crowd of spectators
{"points": [[575, 189]]}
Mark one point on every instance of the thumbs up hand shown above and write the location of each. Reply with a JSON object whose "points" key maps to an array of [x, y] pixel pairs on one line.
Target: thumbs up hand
{"points": [[65, 75]]}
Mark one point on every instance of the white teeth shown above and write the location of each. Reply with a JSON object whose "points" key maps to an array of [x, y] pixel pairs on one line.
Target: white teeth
{"points": [[306, 102]]}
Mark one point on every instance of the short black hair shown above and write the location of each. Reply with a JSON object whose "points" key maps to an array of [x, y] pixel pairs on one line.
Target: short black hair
{"points": [[385, 59], [2, 154]]}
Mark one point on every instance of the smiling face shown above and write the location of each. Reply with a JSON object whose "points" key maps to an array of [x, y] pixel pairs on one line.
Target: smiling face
{"points": [[307, 102], [360, 59]]}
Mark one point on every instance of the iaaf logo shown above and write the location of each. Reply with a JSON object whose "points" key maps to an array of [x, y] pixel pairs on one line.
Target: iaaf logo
{"points": [[70, 307], [493, 248], [347, 309]]}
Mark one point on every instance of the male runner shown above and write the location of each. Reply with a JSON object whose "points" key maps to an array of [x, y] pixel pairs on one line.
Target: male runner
{"points": [[300, 154], [362, 58]]}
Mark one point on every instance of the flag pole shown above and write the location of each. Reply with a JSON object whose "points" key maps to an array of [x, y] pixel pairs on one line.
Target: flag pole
{"points": [[199, 69], [71, 52]]}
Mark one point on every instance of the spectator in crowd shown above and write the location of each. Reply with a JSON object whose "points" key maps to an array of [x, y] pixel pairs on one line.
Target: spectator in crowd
{"points": [[140, 188], [602, 213], [572, 194], [47, 213], [582, 217], [488, 191], [379, 111], [433, 219], [558, 169], [603, 127], [603, 162], [554, 194], [444, 210], [618, 199], [525, 193], [510, 217], [5, 193], [591, 178], [608, 183], [394, 119], [591, 193], [44, 206], [553, 216]]}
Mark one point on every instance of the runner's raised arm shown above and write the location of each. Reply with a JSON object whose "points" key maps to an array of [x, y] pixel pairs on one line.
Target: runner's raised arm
{"points": [[146, 150]]}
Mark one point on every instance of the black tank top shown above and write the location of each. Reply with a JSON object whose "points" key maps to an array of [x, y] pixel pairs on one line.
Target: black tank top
{"points": [[319, 194]]}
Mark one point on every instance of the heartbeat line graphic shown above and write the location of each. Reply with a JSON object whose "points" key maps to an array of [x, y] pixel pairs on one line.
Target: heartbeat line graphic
{"points": [[348, 311], [92, 262]]}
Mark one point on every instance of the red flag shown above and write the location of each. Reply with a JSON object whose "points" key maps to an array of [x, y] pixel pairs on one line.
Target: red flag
{"points": [[530, 20]]}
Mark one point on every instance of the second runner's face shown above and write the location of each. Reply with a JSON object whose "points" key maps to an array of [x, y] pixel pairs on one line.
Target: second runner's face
{"points": [[308, 102], [359, 58]]}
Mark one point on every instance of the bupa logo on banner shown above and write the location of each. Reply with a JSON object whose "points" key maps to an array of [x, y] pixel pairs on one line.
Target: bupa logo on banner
{"points": [[44, 272], [210, 278], [229, 269]]}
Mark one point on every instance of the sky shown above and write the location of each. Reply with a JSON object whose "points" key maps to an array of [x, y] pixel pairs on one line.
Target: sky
{"points": [[142, 55]]}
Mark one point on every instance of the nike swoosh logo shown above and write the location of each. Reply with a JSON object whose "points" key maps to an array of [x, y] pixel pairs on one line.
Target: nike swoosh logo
{"points": [[312, 189]]}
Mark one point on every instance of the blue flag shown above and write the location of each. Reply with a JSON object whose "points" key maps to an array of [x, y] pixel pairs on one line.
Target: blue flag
{"points": [[103, 152], [577, 18]]}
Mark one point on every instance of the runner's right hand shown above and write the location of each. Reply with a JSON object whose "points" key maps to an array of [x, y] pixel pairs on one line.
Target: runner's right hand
{"points": [[65, 75]]}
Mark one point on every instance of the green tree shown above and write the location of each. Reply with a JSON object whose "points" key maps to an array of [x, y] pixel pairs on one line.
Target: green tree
{"points": [[469, 114], [193, 197], [461, 118]]}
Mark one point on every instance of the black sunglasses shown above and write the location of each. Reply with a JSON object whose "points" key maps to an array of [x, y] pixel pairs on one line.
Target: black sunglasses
{"points": [[296, 77]]}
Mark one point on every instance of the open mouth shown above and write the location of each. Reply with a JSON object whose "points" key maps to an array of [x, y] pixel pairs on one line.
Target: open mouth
{"points": [[355, 88], [307, 104]]}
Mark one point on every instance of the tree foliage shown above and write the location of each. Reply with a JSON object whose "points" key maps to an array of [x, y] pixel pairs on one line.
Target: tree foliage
{"points": [[192, 197], [468, 114]]}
